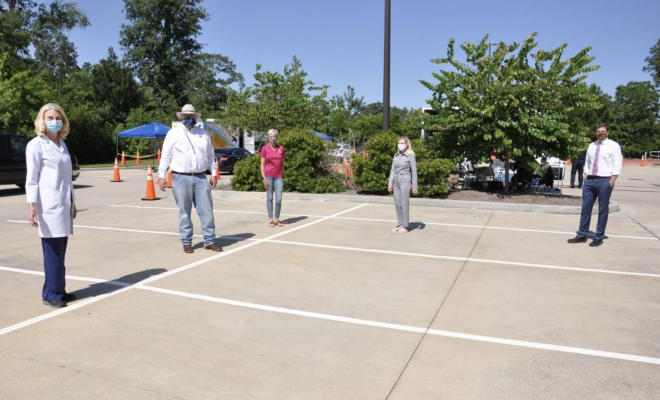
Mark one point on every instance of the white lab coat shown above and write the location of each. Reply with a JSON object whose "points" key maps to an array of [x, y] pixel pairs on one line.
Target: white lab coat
{"points": [[48, 184]]}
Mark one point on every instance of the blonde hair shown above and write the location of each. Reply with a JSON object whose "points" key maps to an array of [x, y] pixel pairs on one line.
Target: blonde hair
{"points": [[273, 131], [409, 150], [40, 124]]}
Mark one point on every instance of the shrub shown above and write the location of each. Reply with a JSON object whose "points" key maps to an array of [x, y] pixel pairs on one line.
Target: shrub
{"points": [[304, 170], [247, 174], [372, 173]]}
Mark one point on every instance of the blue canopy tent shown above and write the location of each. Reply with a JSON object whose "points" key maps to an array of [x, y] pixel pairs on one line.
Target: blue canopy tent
{"points": [[154, 130], [322, 135]]}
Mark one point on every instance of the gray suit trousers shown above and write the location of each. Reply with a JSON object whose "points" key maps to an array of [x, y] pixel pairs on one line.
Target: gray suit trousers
{"points": [[401, 202]]}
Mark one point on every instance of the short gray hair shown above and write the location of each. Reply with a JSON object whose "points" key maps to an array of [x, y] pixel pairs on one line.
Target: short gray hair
{"points": [[273, 131]]}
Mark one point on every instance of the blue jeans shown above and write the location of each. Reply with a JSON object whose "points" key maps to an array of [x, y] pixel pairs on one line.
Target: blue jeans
{"points": [[54, 251], [595, 189], [189, 190], [274, 183]]}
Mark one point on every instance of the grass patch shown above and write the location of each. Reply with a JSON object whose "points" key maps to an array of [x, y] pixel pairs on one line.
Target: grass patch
{"points": [[129, 163]]}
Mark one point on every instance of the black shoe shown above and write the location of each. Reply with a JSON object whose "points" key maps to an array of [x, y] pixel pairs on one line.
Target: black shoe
{"points": [[596, 243], [55, 303], [68, 297], [579, 186], [578, 239], [572, 186]]}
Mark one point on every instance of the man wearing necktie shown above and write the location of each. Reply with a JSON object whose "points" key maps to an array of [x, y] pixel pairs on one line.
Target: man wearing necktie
{"points": [[601, 168]]}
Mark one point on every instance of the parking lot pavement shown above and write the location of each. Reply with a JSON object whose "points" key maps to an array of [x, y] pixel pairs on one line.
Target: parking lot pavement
{"points": [[469, 304]]}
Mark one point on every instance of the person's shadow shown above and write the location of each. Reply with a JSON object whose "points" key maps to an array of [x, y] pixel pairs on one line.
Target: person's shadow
{"points": [[416, 225], [228, 240], [97, 289], [293, 220]]}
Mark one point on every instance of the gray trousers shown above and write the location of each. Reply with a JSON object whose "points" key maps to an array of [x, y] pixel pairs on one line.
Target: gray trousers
{"points": [[401, 202]]}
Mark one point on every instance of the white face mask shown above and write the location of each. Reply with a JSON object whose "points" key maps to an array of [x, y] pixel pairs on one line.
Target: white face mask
{"points": [[402, 147]]}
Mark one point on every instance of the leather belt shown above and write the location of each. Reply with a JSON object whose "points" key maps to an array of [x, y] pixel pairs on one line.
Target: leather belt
{"points": [[187, 173], [597, 177]]}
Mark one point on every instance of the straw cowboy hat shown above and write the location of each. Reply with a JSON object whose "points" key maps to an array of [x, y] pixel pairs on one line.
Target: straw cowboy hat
{"points": [[188, 109]]}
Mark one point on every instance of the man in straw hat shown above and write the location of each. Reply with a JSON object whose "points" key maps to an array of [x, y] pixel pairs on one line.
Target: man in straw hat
{"points": [[188, 151]]}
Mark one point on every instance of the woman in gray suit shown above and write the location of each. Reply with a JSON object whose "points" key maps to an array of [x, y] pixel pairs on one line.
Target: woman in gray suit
{"points": [[402, 176]]}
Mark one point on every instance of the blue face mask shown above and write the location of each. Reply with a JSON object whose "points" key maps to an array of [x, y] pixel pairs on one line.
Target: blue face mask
{"points": [[54, 126], [272, 140], [189, 122]]}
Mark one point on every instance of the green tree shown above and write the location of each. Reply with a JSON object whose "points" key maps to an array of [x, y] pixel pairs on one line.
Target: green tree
{"points": [[280, 101], [22, 95], [506, 103], [15, 32], [54, 54], [210, 78], [160, 44], [653, 64], [590, 117], [635, 113], [114, 87]]}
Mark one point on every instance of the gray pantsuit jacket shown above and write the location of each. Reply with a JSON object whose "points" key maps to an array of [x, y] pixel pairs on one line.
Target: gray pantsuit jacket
{"points": [[403, 178]]}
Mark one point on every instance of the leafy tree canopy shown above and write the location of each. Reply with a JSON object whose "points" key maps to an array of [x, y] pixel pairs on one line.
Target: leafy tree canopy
{"points": [[653, 64], [635, 113], [278, 100], [518, 103], [160, 43]]}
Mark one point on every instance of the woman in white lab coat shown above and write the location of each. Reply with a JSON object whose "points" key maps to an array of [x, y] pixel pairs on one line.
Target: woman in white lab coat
{"points": [[50, 197]]}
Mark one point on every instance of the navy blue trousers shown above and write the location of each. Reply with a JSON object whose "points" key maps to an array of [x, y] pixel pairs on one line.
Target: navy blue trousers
{"points": [[54, 252], [595, 189]]}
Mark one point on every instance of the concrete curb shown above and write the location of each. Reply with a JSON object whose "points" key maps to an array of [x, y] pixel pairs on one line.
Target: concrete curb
{"points": [[472, 205]]}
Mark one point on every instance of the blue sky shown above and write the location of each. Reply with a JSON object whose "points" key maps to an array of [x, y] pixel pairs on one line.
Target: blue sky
{"points": [[340, 42]]}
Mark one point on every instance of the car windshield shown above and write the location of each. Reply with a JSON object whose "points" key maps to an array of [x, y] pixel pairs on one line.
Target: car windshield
{"points": [[223, 150]]}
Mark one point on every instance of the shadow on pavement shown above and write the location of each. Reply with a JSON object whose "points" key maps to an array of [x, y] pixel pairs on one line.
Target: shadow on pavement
{"points": [[224, 241], [293, 220], [98, 289]]}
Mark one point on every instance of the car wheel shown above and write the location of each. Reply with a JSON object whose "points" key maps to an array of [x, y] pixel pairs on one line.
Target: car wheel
{"points": [[231, 169]]}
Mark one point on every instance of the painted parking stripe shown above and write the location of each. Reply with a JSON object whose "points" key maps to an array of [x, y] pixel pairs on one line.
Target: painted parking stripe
{"points": [[349, 320], [166, 274], [71, 277], [414, 329], [389, 252], [468, 259], [395, 221]]}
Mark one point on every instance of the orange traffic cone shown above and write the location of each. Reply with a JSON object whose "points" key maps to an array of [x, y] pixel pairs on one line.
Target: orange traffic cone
{"points": [[123, 158], [151, 191], [643, 163], [568, 162], [116, 178], [158, 154], [137, 161], [169, 177], [336, 168], [217, 173]]}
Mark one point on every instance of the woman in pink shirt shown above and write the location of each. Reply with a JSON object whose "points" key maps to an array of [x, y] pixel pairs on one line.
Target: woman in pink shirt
{"points": [[272, 172]]}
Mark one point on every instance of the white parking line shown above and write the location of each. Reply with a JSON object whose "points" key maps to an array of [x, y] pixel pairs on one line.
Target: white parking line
{"points": [[414, 329], [391, 252], [166, 274], [468, 259], [395, 221], [335, 318], [71, 277]]}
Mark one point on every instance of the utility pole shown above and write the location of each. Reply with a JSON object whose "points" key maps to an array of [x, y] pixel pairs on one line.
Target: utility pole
{"points": [[386, 68]]}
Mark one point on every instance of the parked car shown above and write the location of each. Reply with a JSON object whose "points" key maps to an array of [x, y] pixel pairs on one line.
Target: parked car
{"points": [[13, 168], [229, 156]]}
